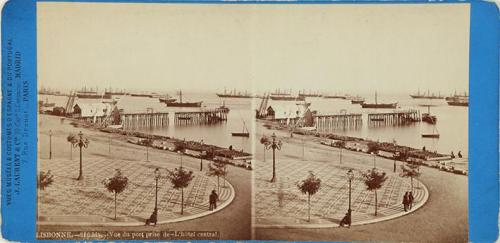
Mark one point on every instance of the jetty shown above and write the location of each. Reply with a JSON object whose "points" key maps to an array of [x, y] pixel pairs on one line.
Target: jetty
{"points": [[402, 117], [324, 122], [200, 117], [338, 121], [144, 120]]}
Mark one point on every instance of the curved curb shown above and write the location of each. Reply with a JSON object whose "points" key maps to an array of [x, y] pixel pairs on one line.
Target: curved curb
{"points": [[336, 225], [138, 223]]}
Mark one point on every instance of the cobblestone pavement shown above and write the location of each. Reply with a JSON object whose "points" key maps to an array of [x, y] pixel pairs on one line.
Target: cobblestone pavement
{"points": [[69, 200], [282, 204]]}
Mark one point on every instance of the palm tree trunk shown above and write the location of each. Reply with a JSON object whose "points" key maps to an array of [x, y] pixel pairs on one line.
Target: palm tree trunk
{"points": [[411, 180], [264, 153], [182, 201], [376, 202], [309, 207], [115, 205], [70, 151]]}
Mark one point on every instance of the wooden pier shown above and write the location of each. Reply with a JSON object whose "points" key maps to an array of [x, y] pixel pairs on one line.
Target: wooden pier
{"points": [[393, 118], [144, 120], [327, 122], [339, 121], [200, 117]]}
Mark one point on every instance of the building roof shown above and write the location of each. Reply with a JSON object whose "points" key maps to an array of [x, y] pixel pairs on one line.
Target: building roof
{"points": [[94, 109]]}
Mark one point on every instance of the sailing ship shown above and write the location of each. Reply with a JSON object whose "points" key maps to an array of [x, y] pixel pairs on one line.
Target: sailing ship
{"points": [[184, 104], [287, 98], [434, 133], [459, 101], [379, 105], [244, 133], [427, 117], [357, 100], [234, 94], [92, 95], [167, 99], [223, 107], [335, 96], [309, 94], [278, 92], [141, 95], [455, 96], [427, 95]]}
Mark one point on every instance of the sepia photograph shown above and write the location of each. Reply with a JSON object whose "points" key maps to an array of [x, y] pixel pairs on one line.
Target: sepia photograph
{"points": [[294, 122]]}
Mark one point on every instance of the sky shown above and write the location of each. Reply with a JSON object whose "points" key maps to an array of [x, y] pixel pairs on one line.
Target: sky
{"points": [[330, 48]]}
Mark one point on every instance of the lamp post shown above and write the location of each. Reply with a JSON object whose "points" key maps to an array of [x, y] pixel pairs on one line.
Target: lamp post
{"points": [[50, 144], [344, 117], [396, 154], [340, 153], [157, 176], [303, 147], [350, 177], [82, 143], [274, 144], [109, 146], [201, 156]]}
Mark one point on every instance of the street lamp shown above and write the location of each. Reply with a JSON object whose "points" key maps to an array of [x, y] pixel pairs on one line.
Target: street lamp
{"points": [[350, 177], [201, 156], [344, 117], [50, 144], [157, 176], [274, 144], [82, 143]]}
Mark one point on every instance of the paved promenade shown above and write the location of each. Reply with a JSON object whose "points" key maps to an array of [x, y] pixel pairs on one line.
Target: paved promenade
{"points": [[231, 222], [330, 204], [443, 217], [87, 202]]}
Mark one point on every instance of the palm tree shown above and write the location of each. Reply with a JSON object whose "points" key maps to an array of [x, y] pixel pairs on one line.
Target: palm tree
{"points": [[374, 180], [265, 141], [309, 186], [72, 139]]}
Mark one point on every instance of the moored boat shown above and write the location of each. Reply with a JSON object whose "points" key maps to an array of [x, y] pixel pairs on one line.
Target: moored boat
{"points": [[234, 94], [287, 98], [184, 104], [379, 105], [244, 133]]}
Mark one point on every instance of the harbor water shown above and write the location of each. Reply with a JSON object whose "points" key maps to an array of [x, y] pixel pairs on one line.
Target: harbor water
{"points": [[452, 121]]}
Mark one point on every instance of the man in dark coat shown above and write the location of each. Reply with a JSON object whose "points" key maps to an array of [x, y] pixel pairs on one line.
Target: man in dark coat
{"points": [[405, 201], [410, 199]]}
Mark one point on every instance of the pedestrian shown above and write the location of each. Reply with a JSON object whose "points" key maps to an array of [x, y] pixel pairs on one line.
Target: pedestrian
{"points": [[216, 198], [410, 200], [405, 201], [452, 155], [459, 154], [423, 148], [346, 220], [211, 200]]}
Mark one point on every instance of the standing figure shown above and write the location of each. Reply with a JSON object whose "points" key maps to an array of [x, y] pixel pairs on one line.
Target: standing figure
{"points": [[452, 155], [346, 220], [213, 200], [410, 200], [459, 154], [405, 201]]}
